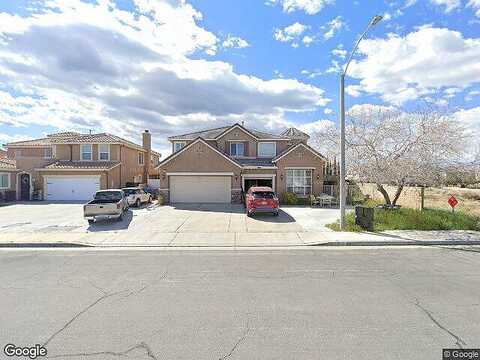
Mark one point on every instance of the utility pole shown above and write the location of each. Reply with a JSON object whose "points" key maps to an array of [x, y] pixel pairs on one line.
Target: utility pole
{"points": [[343, 191]]}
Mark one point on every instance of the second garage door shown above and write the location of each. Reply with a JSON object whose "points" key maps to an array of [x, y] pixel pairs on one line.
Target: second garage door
{"points": [[200, 189], [71, 187]]}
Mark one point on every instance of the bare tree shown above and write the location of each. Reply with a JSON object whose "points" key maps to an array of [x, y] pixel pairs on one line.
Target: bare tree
{"points": [[388, 146]]}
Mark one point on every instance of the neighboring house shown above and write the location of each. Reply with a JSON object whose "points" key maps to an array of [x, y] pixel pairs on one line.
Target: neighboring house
{"points": [[3, 153], [72, 166], [8, 179], [216, 165]]}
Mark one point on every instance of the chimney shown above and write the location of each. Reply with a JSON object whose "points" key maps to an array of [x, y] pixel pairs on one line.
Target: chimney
{"points": [[147, 145]]}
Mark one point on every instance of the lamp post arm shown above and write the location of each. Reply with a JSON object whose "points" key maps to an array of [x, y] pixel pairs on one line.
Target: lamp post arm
{"points": [[352, 53]]}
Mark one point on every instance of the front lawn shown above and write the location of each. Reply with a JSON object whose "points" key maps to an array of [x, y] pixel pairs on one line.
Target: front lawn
{"points": [[410, 219]]}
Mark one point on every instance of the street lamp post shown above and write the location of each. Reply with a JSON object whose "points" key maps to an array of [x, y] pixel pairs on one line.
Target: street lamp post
{"points": [[343, 191]]}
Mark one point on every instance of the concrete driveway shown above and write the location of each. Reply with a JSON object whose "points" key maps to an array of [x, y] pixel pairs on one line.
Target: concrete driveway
{"points": [[183, 218], [180, 224]]}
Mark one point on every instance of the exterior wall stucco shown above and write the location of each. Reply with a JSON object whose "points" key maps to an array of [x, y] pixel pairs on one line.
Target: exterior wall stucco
{"points": [[130, 167], [300, 157]]}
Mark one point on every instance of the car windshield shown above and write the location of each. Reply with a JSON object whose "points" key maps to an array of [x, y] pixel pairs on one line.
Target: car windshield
{"points": [[129, 191], [108, 196], [263, 195]]}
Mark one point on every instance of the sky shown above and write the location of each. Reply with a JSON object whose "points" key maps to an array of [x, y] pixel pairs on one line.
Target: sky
{"points": [[174, 66]]}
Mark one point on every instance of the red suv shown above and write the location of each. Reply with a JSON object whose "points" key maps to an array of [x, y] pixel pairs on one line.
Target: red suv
{"points": [[261, 199]]}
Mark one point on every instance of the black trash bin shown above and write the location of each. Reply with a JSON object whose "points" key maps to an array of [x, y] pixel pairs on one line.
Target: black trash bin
{"points": [[364, 217]]}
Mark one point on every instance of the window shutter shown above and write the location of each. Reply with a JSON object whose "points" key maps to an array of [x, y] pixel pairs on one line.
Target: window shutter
{"points": [[227, 147], [245, 147]]}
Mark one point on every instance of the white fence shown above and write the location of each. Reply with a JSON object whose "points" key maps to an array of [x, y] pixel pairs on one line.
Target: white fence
{"points": [[153, 183]]}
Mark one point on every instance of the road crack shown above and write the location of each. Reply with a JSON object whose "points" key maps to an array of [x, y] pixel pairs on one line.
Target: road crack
{"points": [[238, 342], [83, 311], [145, 286], [141, 345], [458, 340]]}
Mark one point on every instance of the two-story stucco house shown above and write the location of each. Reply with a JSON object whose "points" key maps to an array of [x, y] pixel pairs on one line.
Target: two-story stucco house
{"points": [[216, 165], [72, 166]]}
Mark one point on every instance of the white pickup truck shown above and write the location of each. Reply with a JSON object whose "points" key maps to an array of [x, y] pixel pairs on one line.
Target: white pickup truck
{"points": [[107, 204], [137, 196]]}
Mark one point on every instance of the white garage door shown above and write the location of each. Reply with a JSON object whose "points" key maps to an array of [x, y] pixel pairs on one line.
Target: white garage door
{"points": [[71, 187], [200, 189]]}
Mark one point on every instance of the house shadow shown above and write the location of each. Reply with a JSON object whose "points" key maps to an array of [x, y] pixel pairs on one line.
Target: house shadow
{"points": [[282, 218], [112, 225], [44, 202], [210, 207]]}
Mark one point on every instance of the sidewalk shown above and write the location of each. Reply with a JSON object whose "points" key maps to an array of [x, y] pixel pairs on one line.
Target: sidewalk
{"points": [[237, 240]]}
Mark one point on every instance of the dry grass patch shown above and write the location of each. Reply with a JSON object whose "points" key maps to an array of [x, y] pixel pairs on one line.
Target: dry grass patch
{"points": [[468, 199]]}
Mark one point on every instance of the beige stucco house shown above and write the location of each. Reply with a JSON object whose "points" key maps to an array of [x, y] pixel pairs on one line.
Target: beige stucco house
{"points": [[216, 165], [72, 166]]}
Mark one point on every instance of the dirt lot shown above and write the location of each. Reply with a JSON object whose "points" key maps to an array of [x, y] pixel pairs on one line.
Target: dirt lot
{"points": [[468, 199]]}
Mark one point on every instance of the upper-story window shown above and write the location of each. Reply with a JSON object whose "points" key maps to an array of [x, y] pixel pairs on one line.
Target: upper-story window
{"points": [[267, 149], [178, 145], [104, 152], [48, 153], [141, 158], [237, 149], [86, 152]]}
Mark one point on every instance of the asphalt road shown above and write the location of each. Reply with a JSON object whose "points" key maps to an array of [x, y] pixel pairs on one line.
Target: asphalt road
{"points": [[370, 303]]}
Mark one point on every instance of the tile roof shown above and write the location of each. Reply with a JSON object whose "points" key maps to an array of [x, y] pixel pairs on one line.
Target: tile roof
{"points": [[210, 134], [71, 137], [294, 133], [256, 162], [8, 164], [84, 165], [205, 134], [65, 134], [30, 143]]}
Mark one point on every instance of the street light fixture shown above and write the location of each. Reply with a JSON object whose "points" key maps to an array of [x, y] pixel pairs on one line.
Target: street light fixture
{"points": [[343, 194]]}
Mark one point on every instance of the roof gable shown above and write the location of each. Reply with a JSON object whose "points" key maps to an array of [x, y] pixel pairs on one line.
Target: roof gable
{"points": [[238, 127], [190, 146], [292, 148]]}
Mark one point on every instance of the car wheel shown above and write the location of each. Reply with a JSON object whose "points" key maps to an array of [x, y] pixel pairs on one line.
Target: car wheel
{"points": [[137, 203], [91, 222], [149, 199]]}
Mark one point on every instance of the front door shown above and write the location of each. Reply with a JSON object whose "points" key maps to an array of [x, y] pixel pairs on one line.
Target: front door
{"points": [[25, 187], [257, 182]]}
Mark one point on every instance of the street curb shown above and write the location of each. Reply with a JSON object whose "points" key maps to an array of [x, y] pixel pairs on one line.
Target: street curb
{"points": [[305, 246], [44, 245], [399, 243]]}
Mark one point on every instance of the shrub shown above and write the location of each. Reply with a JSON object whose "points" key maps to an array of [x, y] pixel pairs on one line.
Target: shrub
{"points": [[290, 198], [161, 199]]}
